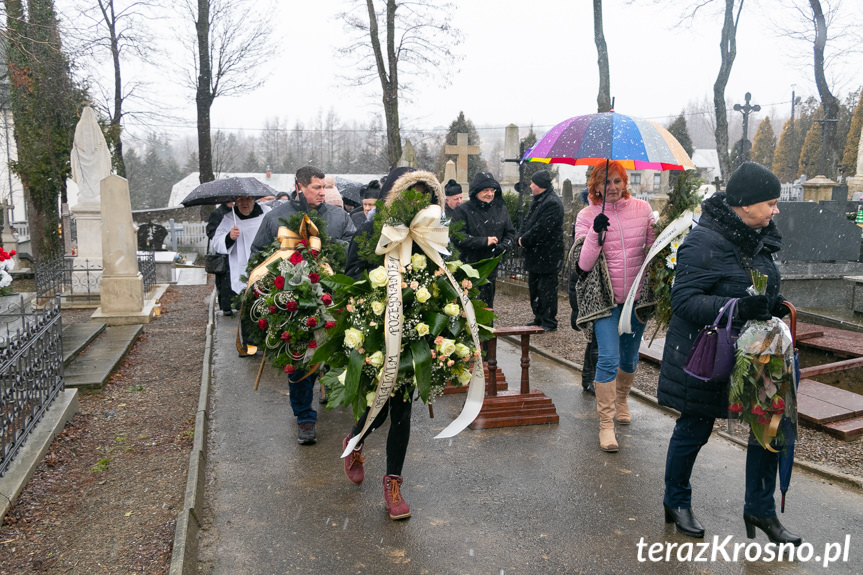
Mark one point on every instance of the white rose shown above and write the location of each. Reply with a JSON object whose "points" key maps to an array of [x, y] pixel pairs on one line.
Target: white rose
{"points": [[446, 347], [353, 337], [423, 295], [342, 376], [422, 329], [376, 359], [370, 398], [464, 376], [462, 350], [378, 277], [378, 307], [451, 309], [418, 261]]}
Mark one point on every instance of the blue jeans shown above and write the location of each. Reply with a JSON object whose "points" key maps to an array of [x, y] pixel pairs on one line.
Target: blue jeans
{"points": [[691, 433], [302, 392], [616, 351]]}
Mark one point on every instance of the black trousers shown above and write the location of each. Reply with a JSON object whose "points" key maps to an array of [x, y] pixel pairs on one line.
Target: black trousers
{"points": [[591, 356], [543, 298], [223, 289], [399, 435]]}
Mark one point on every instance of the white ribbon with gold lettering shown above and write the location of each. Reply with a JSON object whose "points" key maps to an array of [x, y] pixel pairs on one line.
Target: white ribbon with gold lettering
{"points": [[396, 242], [665, 237]]}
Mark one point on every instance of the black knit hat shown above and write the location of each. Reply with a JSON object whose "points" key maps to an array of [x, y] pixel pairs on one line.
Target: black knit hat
{"points": [[542, 179], [751, 183], [452, 188], [481, 181]]}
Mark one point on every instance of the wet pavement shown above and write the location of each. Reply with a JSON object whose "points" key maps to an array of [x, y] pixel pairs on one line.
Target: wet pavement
{"points": [[521, 500]]}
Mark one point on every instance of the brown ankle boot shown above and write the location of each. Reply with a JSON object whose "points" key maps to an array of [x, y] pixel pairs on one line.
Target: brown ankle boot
{"points": [[623, 384], [397, 507], [605, 393]]}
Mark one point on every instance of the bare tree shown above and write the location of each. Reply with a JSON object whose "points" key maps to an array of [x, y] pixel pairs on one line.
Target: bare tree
{"points": [[232, 39], [728, 51], [603, 99], [416, 36]]}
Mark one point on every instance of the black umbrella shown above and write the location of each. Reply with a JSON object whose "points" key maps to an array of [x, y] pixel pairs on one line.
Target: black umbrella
{"points": [[349, 190], [227, 190]]}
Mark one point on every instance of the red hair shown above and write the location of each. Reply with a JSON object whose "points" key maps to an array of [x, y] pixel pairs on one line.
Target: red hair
{"points": [[596, 181]]}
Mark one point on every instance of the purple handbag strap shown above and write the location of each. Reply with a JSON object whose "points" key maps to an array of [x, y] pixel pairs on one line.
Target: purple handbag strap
{"points": [[729, 306]]}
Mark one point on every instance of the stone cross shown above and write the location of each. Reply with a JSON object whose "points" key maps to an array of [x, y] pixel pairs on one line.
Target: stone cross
{"points": [[462, 150]]}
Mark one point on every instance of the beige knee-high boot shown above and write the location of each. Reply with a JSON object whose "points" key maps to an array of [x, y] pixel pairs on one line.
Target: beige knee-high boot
{"points": [[623, 384], [605, 395]]}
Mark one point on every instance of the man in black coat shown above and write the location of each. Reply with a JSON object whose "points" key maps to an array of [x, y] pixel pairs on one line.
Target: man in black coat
{"points": [[487, 231], [453, 199], [223, 280], [541, 236]]}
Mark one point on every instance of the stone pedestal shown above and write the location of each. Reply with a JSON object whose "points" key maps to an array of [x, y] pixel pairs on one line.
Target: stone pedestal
{"points": [[510, 152], [88, 222], [122, 294], [817, 189], [855, 185]]}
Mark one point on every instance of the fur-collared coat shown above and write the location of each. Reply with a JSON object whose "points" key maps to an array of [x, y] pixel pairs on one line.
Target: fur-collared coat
{"points": [[355, 265], [712, 267]]}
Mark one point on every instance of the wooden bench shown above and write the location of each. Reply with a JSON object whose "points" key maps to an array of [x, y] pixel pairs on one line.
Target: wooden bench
{"points": [[511, 408]]}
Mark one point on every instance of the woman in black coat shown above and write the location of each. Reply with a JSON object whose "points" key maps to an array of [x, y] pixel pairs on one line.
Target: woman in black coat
{"points": [[487, 231], [735, 234]]}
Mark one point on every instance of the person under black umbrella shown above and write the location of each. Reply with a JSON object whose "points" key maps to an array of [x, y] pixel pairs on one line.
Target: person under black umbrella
{"points": [[222, 280]]}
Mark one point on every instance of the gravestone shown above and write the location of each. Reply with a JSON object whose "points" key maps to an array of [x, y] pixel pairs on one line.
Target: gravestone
{"points": [[409, 156], [151, 237], [817, 189], [855, 183], [511, 151], [448, 171], [462, 150], [91, 162]]}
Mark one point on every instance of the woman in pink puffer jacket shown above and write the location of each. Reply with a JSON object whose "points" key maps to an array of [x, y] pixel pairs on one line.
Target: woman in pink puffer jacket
{"points": [[628, 226]]}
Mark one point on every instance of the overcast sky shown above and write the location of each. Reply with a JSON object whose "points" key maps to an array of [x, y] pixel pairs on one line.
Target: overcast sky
{"points": [[535, 63]]}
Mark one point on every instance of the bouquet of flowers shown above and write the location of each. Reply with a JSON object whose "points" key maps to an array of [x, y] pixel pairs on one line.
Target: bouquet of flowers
{"points": [[763, 390], [287, 300], [7, 264], [436, 342], [684, 197]]}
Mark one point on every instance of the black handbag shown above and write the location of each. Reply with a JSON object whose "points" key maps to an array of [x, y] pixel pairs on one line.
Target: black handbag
{"points": [[712, 354], [216, 263]]}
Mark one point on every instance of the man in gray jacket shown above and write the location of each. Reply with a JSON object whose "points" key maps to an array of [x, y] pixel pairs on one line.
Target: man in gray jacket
{"points": [[309, 196]]}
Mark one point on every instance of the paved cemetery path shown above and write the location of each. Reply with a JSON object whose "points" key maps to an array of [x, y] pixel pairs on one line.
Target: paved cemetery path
{"points": [[524, 500]]}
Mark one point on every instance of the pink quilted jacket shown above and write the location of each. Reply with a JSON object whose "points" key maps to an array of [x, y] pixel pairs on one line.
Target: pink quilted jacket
{"points": [[630, 233]]}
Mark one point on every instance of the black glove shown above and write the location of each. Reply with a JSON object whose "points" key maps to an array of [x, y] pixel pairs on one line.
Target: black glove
{"points": [[753, 307], [779, 310], [600, 223]]}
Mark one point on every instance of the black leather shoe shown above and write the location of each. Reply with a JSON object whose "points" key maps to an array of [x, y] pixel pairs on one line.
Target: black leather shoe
{"points": [[306, 434], [589, 389], [772, 528], [684, 520], [532, 322]]}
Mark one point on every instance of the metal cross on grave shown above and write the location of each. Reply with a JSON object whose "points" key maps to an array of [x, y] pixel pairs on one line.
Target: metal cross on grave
{"points": [[462, 150]]}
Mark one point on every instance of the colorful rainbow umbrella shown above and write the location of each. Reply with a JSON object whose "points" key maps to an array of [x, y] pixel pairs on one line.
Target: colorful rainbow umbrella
{"points": [[593, 139]]}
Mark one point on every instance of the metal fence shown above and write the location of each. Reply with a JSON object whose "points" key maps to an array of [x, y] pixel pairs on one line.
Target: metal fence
{"points": [[147, 267], [31, 370], [512, 265]]}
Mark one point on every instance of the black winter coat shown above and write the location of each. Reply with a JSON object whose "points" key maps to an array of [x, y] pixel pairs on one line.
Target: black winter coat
{"points": [[711, 269], [542, 234], [481, 221]]}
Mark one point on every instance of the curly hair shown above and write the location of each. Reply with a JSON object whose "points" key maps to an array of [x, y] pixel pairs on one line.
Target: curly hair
{"points": [[596, 181]]}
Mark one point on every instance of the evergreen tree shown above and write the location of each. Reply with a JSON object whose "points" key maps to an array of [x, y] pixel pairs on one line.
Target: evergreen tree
{"points": [[810, 155], [251, 163], [475, 163], [679, 131], [852, 140], [764, 144], [44, 104]]}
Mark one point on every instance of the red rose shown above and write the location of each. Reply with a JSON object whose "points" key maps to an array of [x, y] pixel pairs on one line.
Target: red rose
{"points": [[286, 336], [757, 409], [314, 278], [327, 299], [296, 258], [302, 243], [736, 407], [315, 253], [311, 322], [279, 282], [257, 293], [764, 420], [289, 369], [291, 306], [313, 344], [330, 325], [273, 309], [262, 323], [778, 403], [12, 253]]}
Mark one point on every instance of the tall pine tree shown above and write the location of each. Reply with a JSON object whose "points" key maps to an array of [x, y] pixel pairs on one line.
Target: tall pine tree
{"points": [[810, 155], [679, 131], [852, 142], [764, 144]]}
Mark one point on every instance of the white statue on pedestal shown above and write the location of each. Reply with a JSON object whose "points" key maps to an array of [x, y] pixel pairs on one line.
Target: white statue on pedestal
{"points": [[91, 160]]}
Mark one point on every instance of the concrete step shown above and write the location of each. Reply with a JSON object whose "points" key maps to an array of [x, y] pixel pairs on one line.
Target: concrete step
{"points": [[91, 369], [77, 336]]}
